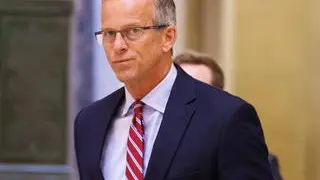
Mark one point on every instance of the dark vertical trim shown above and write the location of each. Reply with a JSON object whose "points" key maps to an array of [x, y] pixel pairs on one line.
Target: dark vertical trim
{"points": [[1, 72]]}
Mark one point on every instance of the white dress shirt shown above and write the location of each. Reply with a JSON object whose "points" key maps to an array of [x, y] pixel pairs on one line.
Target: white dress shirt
{"points": [[114, 156]]}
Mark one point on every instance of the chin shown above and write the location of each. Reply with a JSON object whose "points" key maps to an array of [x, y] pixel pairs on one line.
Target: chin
{"points": [[125, 77]]}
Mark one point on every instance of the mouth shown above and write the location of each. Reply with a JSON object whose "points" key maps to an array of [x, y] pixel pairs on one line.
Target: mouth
{"points": [[121, 61]]}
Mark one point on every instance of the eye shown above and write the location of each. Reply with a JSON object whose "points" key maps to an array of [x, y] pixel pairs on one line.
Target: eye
{"points": [[133, 31], [109, 33]]}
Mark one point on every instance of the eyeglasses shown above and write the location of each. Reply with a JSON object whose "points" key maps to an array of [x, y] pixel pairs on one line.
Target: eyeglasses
{"points": [[132, 33]]}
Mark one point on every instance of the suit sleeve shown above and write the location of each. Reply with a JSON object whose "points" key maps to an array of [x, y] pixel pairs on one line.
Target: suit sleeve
{"points": [[77, 146], [243, 154]]}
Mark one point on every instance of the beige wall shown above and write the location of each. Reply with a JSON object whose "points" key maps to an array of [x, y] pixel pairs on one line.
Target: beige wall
{"points": [[275, 69], [210, 34], [312, 69], [182, 23], [194, 31], [270, 51]]}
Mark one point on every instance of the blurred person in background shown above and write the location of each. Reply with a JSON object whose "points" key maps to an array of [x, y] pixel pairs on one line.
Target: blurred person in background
{"points": [[204, 68], [201, 67], [162, 124]]}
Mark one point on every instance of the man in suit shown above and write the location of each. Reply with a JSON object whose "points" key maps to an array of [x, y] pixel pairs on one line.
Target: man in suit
{"points": [[204, 68], [162, 124]]}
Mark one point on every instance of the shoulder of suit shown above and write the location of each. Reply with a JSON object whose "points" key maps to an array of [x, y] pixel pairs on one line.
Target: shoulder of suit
{"points": [[100, 105], [217, 97]]}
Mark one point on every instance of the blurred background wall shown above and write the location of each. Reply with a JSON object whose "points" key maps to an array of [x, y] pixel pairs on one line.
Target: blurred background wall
{"points": [[51, 67], [34, 54], [276, 68], [270, 52]]}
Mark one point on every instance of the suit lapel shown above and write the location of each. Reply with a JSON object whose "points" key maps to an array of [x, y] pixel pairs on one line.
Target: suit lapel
{"points": [[178, 113], [103, 121]]}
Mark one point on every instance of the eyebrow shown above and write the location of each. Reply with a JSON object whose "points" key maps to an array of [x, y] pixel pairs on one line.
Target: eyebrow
{"points": [[132, 25], [107, 29]]}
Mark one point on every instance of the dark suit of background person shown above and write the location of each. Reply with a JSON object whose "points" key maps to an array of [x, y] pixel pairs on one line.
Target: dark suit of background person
{"points": [[275, 168], [205, 134], [206, 69]]}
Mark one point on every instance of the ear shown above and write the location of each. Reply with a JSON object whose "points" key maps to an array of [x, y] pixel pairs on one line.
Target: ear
{"points": [[169, 38]]}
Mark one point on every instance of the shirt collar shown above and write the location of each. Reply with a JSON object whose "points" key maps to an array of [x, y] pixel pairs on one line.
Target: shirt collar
{"points": [[158, 97]]}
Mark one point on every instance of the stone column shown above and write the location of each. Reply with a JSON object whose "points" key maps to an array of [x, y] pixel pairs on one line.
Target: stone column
{"points": [[80, 73]]}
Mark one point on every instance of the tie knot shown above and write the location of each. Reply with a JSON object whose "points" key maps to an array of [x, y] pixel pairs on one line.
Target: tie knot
{"points": [[137, 106]]}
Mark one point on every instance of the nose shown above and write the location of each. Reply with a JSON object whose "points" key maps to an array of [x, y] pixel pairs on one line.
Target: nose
{"points": [[120, 44]]}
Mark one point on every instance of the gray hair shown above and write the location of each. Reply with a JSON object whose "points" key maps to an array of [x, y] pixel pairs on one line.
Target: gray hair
{"points": [[165, 12]]}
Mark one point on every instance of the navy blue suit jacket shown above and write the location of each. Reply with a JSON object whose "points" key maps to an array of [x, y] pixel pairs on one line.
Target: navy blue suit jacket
{"points": [[205, 134]]}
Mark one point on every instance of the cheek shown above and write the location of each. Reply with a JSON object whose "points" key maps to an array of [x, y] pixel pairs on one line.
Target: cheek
{"points": [[146, 51], [151, 43], [106, 52], [109, 54], [152, 49]]}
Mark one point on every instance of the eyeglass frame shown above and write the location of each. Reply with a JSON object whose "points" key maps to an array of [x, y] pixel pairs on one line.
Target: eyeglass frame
{"points": [[124, 33]]}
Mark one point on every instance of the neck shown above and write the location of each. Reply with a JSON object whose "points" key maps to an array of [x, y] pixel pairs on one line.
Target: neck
{"points": [[144, 85]]}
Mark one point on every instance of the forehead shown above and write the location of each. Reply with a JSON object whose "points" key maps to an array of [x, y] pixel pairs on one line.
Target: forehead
{"points": [[119, 13], [198, 71]]}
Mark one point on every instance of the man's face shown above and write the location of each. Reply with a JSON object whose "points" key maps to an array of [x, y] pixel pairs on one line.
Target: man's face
{"points": [[198, 71], [131, 60]]}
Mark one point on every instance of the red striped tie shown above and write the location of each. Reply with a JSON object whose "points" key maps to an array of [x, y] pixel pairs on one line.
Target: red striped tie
{"points": [[135, 145]]}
